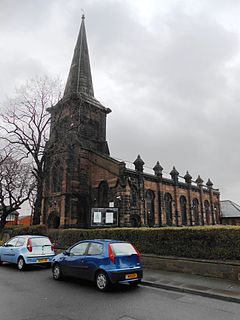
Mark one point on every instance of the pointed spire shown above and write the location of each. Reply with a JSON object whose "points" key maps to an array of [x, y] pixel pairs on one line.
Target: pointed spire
{"points": [[80, 78]]}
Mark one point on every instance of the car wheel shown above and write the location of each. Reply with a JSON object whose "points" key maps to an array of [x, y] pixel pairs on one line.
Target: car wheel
{"points": [[21, 264], [1, 262], [56, 271], [134, 283], [102, 281]]}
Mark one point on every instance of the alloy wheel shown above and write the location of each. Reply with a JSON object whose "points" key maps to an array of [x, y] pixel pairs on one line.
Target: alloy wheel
{"points": [[20, 264], [102, 281], [56, 272]]}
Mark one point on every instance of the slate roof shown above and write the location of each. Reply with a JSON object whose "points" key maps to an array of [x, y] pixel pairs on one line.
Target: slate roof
{"points": [[229, 209]]}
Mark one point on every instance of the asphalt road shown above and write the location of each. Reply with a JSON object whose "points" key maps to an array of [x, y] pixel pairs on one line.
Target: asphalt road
{"points": [[34, 295]]}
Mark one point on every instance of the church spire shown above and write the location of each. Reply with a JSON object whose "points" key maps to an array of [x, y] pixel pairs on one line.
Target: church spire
{"points": [[80, 78]]}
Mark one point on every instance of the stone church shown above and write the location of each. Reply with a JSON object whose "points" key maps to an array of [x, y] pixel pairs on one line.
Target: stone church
{"points": [[85, 187]]}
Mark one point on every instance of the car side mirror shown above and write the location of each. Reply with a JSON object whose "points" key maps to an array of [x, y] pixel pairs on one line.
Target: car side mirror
{"points": [[66, 253]]}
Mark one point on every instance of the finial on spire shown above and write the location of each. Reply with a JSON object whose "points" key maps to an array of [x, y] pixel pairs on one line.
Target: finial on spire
{"points": [[83, 15]]}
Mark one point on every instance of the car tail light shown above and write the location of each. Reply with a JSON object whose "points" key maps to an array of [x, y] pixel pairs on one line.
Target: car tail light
{"points": [[138, 253], [29, 247], [110, 253], [52, 247]]}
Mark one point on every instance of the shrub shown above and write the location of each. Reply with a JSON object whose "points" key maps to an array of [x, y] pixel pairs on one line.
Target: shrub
{"points": [[212, 242], [190, 242]]}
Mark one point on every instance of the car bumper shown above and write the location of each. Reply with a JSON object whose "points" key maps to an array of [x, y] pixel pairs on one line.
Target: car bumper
{"points": [[39, 259], [123, 276]]}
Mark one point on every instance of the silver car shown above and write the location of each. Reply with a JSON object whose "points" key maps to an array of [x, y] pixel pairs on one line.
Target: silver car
{"points": [[27, 250]]}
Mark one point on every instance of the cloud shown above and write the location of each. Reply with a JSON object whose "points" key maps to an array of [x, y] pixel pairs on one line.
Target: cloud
{"points": [[169, 71]]}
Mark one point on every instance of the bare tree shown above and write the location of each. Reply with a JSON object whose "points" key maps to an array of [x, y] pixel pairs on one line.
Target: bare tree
{"points": [[26, 126], [16, 185]]}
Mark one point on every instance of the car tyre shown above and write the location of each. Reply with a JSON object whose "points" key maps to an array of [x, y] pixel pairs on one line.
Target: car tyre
{"points": [[57, 272], [102, 281], [21, 265], [1, 262]]}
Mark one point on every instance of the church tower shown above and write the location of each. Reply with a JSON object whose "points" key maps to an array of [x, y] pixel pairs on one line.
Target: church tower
{"points": [[78, 126]]}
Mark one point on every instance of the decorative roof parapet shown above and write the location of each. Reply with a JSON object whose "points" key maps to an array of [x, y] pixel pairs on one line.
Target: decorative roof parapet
{"points": [[174, 174], [158, 170], [188, 178], [138, 163], [199, 181], [209, 184]]}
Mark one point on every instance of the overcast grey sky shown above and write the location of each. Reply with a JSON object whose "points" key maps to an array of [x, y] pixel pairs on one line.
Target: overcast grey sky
{"points": [[169, 70]]}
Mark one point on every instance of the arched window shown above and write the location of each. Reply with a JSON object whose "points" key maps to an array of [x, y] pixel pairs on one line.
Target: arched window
{"points": [[195, 211], [103, 194], [150, 207], [168, 208], [183, 206], [57, 177], [207, 211]]}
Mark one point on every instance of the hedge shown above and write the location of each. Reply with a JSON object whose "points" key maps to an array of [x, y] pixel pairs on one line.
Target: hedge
{"points": [[33, 230], [218, 243]]}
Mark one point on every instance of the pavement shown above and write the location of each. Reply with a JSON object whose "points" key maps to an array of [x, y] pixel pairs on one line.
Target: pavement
{"points": [[216, 288]]}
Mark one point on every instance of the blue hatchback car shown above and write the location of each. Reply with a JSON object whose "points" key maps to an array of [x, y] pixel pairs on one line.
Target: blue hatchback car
{"points": [[105, 262], [27, 250]]}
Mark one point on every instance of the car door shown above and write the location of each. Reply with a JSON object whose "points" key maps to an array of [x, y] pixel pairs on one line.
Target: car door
{"points": [[8, 250], [93, 259], [73, 262], [17, 249]]}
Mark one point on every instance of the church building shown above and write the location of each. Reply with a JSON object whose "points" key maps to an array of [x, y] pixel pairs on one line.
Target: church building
{"points": [[85, 187]]}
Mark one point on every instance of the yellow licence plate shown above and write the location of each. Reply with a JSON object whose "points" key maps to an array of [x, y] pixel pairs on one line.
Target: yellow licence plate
{"points": [[42, 260], [131, 276]]}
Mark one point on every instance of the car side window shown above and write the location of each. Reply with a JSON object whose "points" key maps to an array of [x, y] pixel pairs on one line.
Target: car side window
{"points": [[95, 249], [20, 242], [79, 249], [12, 242]]}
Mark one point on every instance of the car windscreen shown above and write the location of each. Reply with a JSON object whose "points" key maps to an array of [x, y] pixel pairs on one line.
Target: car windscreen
{"points": [[36, 242], [123, 249]]}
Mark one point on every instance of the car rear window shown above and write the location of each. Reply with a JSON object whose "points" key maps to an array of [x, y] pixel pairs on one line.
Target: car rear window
{"points": [[36, 242], [123, 249], [20, 242]]}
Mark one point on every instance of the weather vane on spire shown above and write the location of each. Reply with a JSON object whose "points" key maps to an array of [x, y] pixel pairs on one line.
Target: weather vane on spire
{"points": [[83, 15]]}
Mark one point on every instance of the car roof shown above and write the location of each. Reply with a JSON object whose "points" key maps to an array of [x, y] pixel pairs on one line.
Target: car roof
{"points": [[104, 240], [31, 236]]}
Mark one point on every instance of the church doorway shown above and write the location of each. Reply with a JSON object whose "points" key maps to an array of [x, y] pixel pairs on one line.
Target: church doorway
{"points": [[53, 221], [135, 221]]}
